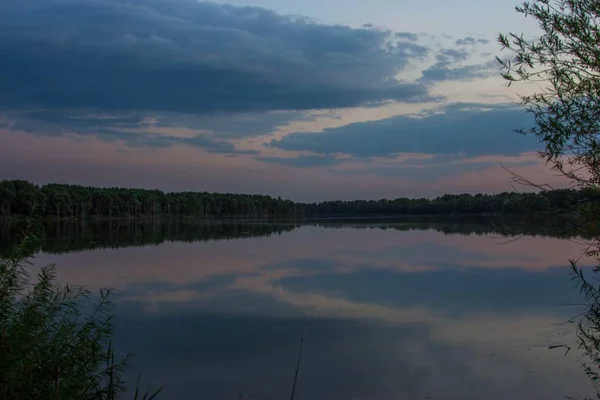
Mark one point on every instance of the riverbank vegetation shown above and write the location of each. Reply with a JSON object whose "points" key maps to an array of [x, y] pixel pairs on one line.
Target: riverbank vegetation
{"points": [[55, 340]]}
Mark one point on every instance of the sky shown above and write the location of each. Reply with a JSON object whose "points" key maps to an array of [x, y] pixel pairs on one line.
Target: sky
{"points": [[311, 101]]}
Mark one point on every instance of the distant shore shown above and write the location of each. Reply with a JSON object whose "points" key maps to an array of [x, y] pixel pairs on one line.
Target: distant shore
{"points": [[20, 198]]}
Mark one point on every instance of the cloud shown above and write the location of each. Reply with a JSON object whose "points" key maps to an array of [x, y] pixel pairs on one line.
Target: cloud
{"points": [[129, 128], [407, 35], [303, 161], [448, 67], [209, 144], [468, 129], [233, 126], [57, 122], [413, 169], [230, 126], [442, 71], [448, 55], [490, 286], [470, 41], [430, 170], [192, 57]]}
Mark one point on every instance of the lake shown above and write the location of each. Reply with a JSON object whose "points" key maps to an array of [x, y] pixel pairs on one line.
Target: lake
{"points": [[387, 309]]}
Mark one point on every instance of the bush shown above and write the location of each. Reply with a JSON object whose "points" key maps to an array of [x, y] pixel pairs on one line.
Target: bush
{"points": [[55, 340]]}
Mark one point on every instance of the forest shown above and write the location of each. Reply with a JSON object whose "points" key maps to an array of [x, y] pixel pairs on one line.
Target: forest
{"points": [[63, 201]]}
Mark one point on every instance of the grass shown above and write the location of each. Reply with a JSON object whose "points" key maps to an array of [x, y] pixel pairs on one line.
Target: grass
{"points": [[56, 340]]}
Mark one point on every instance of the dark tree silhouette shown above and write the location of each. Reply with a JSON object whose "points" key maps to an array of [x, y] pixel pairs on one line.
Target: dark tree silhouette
{"points": [[78, 202]]}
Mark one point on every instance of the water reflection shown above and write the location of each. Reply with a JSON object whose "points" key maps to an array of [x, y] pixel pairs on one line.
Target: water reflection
{"points": [[65, 236], [401, 310]]}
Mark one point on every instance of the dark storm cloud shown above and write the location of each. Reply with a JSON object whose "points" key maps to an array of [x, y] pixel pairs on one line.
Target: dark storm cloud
{"points": [[191, 57], [468, 129]]}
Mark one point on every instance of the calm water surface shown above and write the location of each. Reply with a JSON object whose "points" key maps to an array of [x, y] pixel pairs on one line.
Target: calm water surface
{"points": [[388, 310]]}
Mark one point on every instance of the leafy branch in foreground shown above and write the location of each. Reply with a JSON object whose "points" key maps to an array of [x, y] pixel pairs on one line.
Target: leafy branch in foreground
{"points": [[588, 328], [563, 66], [55, 340]]}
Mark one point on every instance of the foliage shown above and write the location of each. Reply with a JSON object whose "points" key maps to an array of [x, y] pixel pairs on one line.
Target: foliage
{"points": [[79, 202], [506, 203], [75, 201], [564, 66], [55, 341]]}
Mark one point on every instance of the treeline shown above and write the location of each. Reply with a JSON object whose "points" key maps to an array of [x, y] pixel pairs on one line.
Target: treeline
{"points": [[63, 236], [18, 198], [506, 203]]}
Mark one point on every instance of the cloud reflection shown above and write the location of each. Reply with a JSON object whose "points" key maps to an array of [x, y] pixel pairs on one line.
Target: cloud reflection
{"points": [[456, 316]]}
